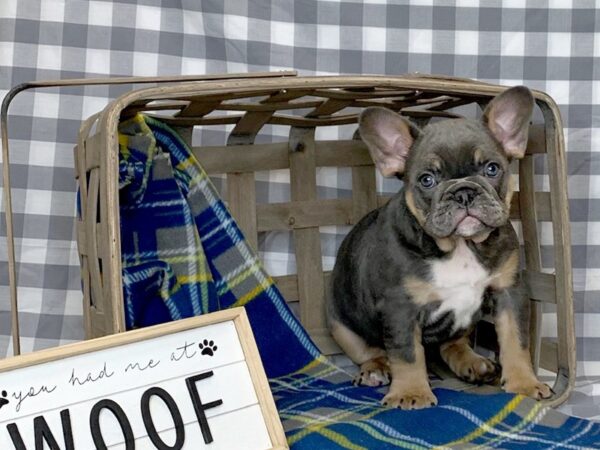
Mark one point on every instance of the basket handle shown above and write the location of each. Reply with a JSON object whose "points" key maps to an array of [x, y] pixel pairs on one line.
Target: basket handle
{"points": [[446, 78], [9, 97]]}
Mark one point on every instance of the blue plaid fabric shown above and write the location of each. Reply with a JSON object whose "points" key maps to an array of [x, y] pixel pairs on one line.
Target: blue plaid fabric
{"points": [[166, 276], [165, 191]]}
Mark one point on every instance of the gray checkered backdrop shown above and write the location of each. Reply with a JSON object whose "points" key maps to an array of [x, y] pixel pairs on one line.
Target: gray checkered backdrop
{"points": [[550, 46]]}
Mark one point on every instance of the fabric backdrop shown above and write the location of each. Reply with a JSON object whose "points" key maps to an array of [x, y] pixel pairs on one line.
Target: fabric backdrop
{"points": [[548, 45]]}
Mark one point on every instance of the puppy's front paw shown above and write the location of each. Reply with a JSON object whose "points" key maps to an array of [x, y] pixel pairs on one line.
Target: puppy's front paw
{"points": [[415, 398], [375, 372], [528, 386]]}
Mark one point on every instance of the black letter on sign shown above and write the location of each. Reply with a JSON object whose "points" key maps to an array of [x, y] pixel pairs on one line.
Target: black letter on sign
{"points": [[44, 434], [199, 407], [15, 436], [175, 414], [118, 412]]}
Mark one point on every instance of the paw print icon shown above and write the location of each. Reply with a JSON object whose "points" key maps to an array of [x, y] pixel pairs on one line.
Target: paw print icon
{"points": [[3, 399], [207, 347]]}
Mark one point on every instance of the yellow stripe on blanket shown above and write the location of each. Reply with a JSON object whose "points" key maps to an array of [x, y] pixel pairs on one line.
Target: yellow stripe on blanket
{"points": [[198, 278], [250, 295], [518, 427], [339, 439], [192, 162], [321, 360]]}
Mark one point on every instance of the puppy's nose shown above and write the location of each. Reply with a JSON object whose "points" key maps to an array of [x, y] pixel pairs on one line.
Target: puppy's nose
{"points": [[465, 196]]}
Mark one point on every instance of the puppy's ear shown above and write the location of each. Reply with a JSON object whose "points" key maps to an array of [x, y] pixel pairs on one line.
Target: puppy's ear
{"points": [[388, 137], [507, 116]]}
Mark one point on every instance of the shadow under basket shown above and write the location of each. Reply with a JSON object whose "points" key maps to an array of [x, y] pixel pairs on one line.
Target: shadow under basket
{"points": [[303, 104]]}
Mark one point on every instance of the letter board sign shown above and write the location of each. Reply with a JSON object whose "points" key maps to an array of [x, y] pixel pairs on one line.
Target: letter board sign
{"points": [[192, 384]]}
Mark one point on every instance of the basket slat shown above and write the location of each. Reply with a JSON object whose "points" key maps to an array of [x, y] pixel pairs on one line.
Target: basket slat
{"points": [[562, 249], [304, 214], [364, 192], [307, 241], [241, 196], [531, 242], [540, 286], [253, 158], [548, 355]]}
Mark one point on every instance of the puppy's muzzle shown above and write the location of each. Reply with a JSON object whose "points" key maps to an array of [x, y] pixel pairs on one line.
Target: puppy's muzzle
{"points": [[463, 193], [465, 207]]}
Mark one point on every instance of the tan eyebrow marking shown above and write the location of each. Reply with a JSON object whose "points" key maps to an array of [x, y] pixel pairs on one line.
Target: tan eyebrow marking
{"points": [[478, 156], [436, 163]]}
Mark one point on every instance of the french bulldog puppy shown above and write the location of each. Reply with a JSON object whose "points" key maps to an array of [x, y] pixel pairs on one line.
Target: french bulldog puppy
{"points": [[419, 269]]}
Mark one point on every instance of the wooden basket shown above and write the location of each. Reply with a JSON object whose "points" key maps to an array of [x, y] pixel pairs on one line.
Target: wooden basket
{"points": [[329, 101]]}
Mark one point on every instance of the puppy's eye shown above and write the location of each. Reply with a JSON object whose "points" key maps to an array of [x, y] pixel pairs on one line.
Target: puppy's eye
{"points": [[492, 169], [427, 180]]}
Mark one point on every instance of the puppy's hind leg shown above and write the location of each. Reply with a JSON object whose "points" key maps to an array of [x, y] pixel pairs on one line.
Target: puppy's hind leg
{"points": [[373, 362], [374, 372], [467, 364]]}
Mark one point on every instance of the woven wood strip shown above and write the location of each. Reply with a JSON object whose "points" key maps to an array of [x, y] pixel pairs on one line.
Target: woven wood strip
{"points": [[364, 192], [243, 158], [347, 94], [531, 243], [287, 95], [548, 352], [199, 108], [252, 158], [562, 249], [271, 106], [295, 121], [540, 286], [304, 214], [241, 195], [91, 231], [251, 123], [307, 241], [156, 106], [329, 107]]}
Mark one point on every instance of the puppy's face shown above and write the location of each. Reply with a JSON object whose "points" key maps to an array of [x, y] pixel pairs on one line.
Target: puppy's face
{"points": [[456, 174], [457, 180]]}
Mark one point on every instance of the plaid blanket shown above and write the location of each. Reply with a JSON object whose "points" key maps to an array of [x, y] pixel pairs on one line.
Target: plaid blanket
{"points": [[184, 255]]}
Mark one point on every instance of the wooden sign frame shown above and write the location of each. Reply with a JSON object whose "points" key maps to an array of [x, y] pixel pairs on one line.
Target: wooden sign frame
{"points": [[246, 338]]}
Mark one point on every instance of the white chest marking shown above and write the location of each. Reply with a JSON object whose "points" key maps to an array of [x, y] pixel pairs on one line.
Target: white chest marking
{"points": [[460, 282]]}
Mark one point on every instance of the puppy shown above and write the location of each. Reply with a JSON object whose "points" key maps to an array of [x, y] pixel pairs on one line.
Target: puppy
{"points": [[418, 270]]}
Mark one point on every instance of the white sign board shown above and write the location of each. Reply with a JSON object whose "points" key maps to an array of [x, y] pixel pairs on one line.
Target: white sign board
{"points": [[192, 384]]}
